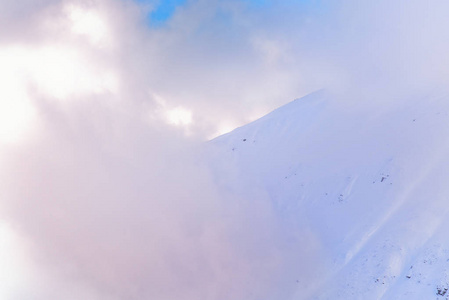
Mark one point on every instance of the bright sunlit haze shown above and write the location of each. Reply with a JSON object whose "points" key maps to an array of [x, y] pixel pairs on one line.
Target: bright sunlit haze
{"points": [[139, 158]]}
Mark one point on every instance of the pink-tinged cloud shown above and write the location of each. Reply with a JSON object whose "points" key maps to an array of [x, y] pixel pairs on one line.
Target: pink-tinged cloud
{"points": [[104, 183]]}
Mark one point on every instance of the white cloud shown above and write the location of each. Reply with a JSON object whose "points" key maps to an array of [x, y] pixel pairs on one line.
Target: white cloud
{"points": [[89, 22], [16, 110], [179, 116], [60, 72]]}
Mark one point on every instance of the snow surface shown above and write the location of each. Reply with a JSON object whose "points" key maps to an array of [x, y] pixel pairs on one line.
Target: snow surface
{"points": [[370, 185]]}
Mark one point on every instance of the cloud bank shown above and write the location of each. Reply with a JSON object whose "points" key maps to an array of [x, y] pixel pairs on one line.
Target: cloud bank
{"points": [[105, 193]]}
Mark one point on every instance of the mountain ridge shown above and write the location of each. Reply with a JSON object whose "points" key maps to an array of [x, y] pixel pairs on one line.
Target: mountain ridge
{"points": [[370, 185]]}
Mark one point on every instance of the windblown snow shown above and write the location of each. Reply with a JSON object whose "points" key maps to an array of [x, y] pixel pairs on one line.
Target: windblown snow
{"points": [[370, 185]]}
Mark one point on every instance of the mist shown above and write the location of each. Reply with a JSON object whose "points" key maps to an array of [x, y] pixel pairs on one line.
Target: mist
{"points": [[105, 183]]}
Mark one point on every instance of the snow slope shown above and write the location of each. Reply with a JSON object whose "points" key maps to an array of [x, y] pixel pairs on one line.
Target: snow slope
{"points": [[370, 184]]}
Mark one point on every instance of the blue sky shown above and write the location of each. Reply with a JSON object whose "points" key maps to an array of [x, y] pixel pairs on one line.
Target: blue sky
{"points": [[165, 9]]}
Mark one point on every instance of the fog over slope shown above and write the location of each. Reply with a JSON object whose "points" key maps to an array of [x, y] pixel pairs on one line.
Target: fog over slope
{"points": [[110, 190], [369, 187]]}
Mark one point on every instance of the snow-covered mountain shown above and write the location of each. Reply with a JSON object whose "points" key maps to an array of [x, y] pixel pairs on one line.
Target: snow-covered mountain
{"points": [[368, 185]]}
